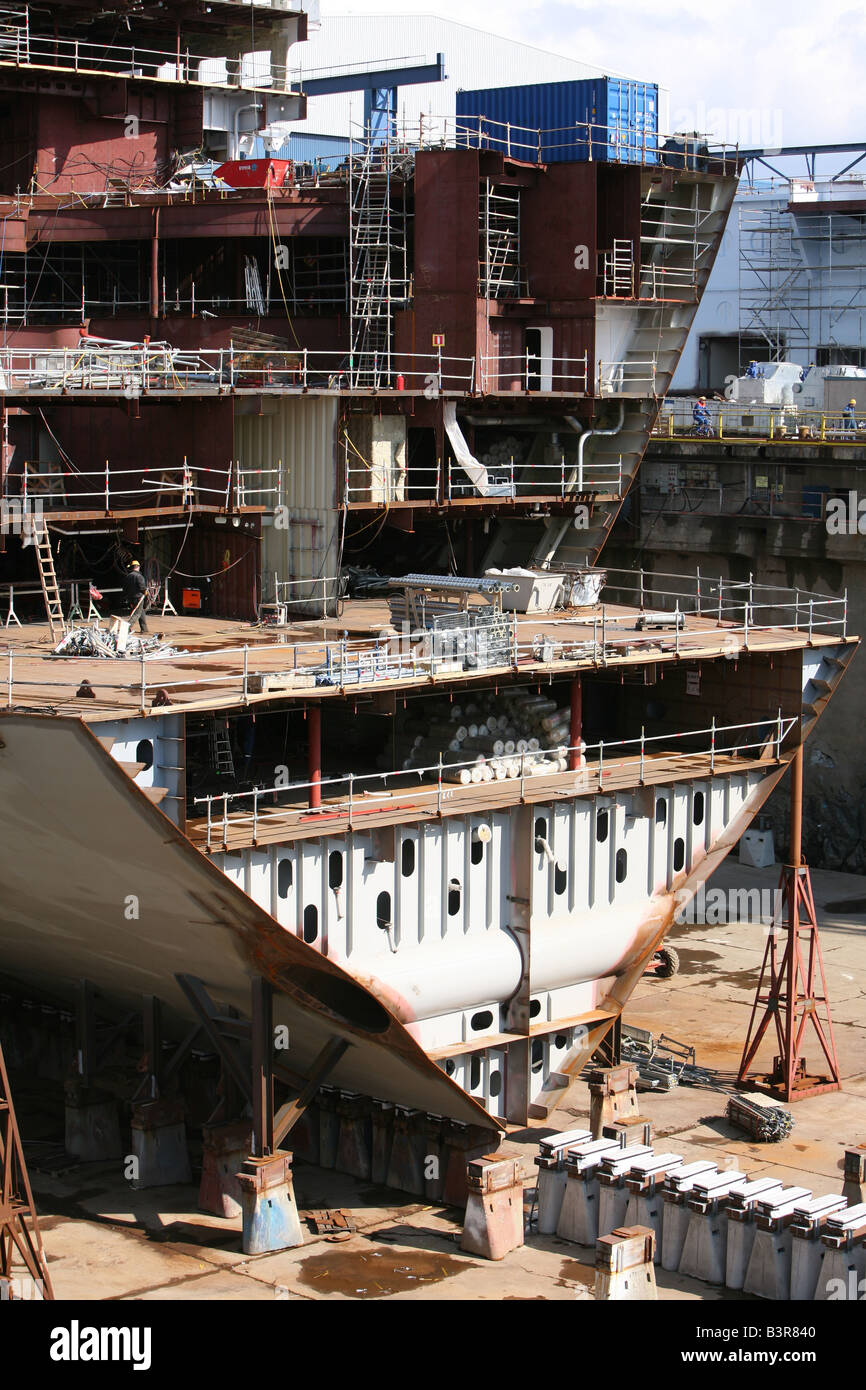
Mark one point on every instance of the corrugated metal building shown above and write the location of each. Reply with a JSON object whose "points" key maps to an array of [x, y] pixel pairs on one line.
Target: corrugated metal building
{"points": [[473, 58]]}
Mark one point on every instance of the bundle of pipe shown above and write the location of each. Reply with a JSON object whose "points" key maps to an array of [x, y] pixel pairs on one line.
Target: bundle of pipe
{"points": [[517, 734]]}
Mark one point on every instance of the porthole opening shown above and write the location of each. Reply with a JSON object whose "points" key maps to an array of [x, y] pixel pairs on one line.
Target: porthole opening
{"points": [[537, 1055], [560, 880], [383, 911], [284, 877], [407, 858], [679, 853], [661, 812], [450, 1067], [534, 1008], [311, 922], [495, 1083], [560, 1041], [601, 827], [541, 828], [474, 1073], [335, 869], [698, 808], [478, 1022], [144, 753], [476, 851], [621, 865], [453, 897]]}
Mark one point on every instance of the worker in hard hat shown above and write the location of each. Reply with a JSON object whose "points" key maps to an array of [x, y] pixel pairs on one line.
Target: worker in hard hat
{"points": [[850, 423], [135, 589], [752, 369], [701, 416], [804, 371]]}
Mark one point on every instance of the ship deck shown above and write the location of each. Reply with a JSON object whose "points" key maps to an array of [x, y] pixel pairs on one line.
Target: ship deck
{"points": [[246, 824], [222, 664]]}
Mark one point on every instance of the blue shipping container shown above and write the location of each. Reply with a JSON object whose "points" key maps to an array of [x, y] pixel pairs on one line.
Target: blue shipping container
{"points": [[604, 118]]}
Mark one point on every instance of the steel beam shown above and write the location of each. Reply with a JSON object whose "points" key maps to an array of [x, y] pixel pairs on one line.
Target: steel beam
{"points": [[289, 1114]]}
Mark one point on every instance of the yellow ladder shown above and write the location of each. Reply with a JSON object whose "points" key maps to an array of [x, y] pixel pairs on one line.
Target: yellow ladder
{"points": [[48, 580]]}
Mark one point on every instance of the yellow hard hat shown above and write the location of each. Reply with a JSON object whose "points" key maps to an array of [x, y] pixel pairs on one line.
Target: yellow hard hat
{"points": [[136, 566], [852, 401]]}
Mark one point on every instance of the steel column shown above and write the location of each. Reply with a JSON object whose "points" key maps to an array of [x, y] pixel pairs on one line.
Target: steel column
{"points": [[262, 1038], [314, 753], [576, 723]]}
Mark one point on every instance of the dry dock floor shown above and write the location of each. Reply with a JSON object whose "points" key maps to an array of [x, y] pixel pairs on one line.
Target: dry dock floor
{"points": [[105, 1243]]}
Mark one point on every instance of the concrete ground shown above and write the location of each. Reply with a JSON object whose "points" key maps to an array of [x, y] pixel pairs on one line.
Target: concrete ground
{"points": [[105, 1242]]}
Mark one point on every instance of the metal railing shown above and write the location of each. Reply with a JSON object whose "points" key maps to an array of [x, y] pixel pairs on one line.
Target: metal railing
{"points": [[617, 762], [600, 637], [186, 485], [778, 423], [136, 370], [534, 373], [368, 484], [246, 71], [518, 480], [628, 377]]}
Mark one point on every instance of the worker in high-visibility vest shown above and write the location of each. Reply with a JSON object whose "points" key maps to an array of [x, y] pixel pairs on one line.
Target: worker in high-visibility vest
{"points": [[752, 369], [701, 416], [850, 423]]}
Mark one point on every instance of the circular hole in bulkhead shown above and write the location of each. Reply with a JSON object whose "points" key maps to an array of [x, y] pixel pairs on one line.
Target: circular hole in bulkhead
{"points": [[345, 999]]}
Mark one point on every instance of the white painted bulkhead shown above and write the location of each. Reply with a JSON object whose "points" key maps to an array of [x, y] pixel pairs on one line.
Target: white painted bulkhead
{"points": [[424, 913], [159, 742], [297, 435]]}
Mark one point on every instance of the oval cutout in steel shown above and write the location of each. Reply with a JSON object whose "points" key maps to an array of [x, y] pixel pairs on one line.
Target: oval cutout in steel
{"points": [[342, 997], [311, 923], [285, 877], [407, 858]]}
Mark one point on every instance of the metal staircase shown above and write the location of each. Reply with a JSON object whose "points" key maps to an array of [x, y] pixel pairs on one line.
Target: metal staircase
{"points": [[48, 580], [379, 276]]}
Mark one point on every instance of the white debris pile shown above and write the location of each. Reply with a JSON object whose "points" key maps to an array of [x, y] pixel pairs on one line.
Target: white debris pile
{"points": [[92, 640]]}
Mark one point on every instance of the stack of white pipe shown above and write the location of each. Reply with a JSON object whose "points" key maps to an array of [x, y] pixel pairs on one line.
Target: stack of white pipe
{"points": [[517, 734]]}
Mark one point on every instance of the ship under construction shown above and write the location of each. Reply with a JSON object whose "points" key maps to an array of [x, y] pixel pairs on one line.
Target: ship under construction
{"points": [[394, 801]]}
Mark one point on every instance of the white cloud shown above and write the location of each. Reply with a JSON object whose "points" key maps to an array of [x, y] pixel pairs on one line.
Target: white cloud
{"points": [[775, 71]]}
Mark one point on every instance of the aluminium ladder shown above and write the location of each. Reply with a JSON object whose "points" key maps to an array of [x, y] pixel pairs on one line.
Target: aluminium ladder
{"points": [[48, 580]]}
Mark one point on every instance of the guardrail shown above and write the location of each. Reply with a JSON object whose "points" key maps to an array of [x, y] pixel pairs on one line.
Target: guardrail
{"points": [[535, 373], [594, 637], [628, 377], [631, 758], [110, 488], [134, 371], [776, 423], [247, 71], [367, 484]]}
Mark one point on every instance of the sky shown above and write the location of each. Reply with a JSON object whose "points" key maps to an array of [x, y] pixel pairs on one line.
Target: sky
{"points": [[769, 73]]}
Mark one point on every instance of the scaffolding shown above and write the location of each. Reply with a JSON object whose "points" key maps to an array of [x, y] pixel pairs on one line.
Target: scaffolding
{"points": [[378, 257], [802, 283], [499, 271], [676, 239]]}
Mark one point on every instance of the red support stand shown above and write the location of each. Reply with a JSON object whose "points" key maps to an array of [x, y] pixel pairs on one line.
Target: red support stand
{"points": [[19, 1227], [792, 991]]}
